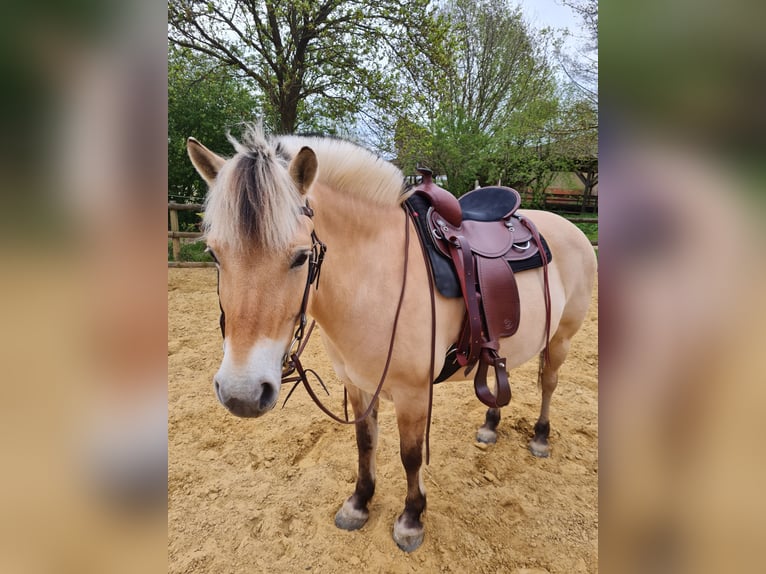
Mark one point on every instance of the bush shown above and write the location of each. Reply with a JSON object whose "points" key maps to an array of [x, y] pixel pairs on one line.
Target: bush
{"points": [[590, 230], [190, 251]]}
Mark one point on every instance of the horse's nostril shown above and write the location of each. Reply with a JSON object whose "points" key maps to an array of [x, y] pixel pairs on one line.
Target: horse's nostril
{"points": [[268, 395], [237, 407]]}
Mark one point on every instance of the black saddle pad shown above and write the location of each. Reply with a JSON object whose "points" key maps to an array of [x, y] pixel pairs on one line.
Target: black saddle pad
{"points": [[445, 277]]}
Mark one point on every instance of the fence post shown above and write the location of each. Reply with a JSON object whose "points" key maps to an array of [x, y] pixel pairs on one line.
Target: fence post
{"points": [[176, 240]]}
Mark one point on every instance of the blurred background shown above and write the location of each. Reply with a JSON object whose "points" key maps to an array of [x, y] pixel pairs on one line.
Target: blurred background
{"points": [[83, 177], [682, 286], [83, 173]]}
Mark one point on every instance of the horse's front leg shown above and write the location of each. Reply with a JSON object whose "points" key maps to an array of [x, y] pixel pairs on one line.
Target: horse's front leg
{"points": [[411, 417], [353, 514]]}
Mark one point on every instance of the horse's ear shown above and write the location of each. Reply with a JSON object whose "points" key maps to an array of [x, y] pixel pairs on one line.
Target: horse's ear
{"points": [[205, 161], [303, 169]]}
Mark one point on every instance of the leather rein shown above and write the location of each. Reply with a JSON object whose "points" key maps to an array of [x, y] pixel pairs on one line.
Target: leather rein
{"points": [[292, 363]]}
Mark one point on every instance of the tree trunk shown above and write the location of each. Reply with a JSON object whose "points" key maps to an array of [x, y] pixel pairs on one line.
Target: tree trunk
{"points": [[589, 180]]}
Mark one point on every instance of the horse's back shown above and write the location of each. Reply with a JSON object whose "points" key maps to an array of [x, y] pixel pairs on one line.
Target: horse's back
{"points": [[571, 250], [571, 273]]}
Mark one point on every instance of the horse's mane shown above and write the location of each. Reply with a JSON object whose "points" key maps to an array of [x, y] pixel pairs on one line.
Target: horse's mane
{"points": [[351, 168], [255, 200]]}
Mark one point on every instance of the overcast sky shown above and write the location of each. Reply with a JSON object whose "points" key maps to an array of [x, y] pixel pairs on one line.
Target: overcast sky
{"points": [[552, 13], [541, 13]]}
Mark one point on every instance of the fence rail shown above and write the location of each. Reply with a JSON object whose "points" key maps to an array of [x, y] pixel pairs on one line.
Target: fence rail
{"points": [[191, 264], [583, 219], [175, 234], [186, 206], [184, 234]]}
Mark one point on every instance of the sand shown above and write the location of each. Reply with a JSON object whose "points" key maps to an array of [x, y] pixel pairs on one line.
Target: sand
{"points": [[260, 495]]}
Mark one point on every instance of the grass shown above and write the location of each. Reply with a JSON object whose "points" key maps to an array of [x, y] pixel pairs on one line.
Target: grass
{"points": [[590, 230], [190, 252]]}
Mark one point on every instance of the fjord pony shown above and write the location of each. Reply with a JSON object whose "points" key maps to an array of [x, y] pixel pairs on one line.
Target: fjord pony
{"points": [[261, 236]]}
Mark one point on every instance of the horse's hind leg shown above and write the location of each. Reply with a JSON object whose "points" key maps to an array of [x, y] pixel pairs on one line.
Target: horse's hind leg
{"points": [[353, 514], [549, 378], [487, 433]]}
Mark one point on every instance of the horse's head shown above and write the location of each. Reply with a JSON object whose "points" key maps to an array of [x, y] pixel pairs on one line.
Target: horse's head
{"points": [[261, 240]]}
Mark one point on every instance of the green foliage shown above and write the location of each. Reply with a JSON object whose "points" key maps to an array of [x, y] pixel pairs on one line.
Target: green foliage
{"points": [[413, 146], [497, 101], [190, 251], [204, 100], [590, 230], [315, 64], [459, 151], [465, 87]]}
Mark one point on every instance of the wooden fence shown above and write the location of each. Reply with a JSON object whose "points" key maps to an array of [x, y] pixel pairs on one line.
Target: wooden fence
{"points": [[175, 234]]}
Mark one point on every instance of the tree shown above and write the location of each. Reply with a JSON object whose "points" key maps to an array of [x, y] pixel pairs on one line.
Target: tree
{"points": [[499, 88], [204, 101], [412, 143], [311, 61], [582, 68], [576, 142]]}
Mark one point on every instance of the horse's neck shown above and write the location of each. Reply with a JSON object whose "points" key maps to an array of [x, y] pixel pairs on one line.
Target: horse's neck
{"points": [[362, 269]]}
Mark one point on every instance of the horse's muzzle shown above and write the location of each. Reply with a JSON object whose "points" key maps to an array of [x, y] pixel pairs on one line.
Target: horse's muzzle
{"points": [[251, 403]]}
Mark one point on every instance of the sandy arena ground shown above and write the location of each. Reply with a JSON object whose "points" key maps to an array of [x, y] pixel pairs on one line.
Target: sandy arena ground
{"points": [[248, 496]]}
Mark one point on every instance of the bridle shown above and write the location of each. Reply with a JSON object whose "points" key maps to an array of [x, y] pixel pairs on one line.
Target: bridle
{"points": [[294, 363], [318, 250], [300, 339], [291, 362]]}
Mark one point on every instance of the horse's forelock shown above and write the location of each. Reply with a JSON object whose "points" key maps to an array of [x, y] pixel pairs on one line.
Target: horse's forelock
{"points": [[255, 200]]}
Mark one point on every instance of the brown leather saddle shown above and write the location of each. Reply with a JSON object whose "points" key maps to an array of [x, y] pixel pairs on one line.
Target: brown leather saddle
{"points": [[483, 237]]}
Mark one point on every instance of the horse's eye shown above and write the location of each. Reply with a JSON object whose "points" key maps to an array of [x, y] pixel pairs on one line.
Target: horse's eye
{"points": [[210, 251], [299, 259]]}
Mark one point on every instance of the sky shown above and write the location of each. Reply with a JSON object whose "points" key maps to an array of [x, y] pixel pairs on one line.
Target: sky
{"points": [[553, 14], [541, 13]]}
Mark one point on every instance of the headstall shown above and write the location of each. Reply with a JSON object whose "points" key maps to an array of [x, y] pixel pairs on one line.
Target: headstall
{"points": [[301, 337], [291, 361]]}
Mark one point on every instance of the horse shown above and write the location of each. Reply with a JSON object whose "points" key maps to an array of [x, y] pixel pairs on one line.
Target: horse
{"points": [[261, 233]]}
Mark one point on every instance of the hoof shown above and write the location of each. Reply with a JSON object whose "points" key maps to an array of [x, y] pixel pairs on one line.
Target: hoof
{"points": [[539, 449], [486, 436], [349, 518], [406, 537]]}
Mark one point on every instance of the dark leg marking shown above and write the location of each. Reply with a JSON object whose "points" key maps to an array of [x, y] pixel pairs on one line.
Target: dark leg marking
{"points": [[354, 514], [408, 529], [539, 444], [365, 482], [487, 433], [542, 432]]}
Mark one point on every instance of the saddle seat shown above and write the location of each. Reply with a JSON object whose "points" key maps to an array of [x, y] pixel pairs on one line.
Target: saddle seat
{"points": [[489, 203], [482, 237]]}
